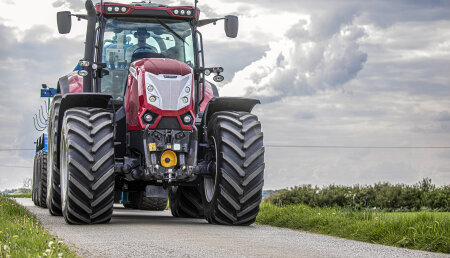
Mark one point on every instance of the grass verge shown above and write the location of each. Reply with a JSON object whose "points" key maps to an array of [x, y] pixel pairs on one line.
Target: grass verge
{"points": [[22, 195], [428, 231], [21, 235]]}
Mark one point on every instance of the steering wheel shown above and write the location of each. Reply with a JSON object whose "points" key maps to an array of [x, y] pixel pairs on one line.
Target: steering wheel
{"points": [[153, 49]]}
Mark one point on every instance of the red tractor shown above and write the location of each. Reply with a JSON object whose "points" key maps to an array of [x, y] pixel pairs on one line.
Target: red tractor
{"points": [[138, 123]]}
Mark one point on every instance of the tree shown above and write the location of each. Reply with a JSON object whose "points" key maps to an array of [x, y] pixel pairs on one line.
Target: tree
{"points": [[27, 183]]}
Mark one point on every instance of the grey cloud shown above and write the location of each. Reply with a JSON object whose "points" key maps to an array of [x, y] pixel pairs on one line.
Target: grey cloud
{"points": [[305, 115], [443, 116], [73, 5], [232, 56], [384, 13], [323, 57], [26, 64]]}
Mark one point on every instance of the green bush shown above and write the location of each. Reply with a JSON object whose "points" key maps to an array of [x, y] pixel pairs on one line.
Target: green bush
{"points": [[385, 196]]}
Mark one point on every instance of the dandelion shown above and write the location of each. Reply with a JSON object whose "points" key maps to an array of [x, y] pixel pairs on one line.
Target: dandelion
{"points": [[376, 218], [334, 213], [1, 231], [50, 244], [44, 233], [15, 236]]}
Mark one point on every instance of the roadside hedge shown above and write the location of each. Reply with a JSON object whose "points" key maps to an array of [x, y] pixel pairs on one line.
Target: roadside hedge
{"points": [[399, 197]]}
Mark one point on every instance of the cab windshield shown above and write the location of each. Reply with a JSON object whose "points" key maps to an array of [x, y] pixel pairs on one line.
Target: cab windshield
{"points": [[126, 41]]}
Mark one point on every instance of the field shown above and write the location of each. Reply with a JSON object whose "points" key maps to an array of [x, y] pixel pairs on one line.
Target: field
{"points": [[428, 231], [21, 235]]}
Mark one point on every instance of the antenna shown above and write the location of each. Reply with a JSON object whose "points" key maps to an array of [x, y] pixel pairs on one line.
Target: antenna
{"points": [[101, 9], [195, 8]]}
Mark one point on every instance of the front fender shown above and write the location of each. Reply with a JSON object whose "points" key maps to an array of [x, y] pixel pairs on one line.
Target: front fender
{"points": [[227, 104], [72, 100]]}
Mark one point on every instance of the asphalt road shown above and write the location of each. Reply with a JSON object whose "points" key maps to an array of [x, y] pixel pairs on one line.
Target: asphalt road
{"points": [[134, 233]]}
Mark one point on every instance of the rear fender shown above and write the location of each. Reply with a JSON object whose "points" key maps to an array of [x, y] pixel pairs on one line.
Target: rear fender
{"points": [[226, 104], [72, 100], [71, 83]]}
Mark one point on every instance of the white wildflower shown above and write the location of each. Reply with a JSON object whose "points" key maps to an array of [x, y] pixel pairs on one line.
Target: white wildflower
{"points": [[60, 255], [5, 247], [48, 251], [50, 244]]}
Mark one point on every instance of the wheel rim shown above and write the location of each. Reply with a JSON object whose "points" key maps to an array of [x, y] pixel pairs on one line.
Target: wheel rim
{"points": [[63, 170], [210, 181]]}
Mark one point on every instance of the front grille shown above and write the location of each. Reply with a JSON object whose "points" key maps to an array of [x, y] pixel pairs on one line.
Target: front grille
{"points": [[169, 122], [169, 90]]}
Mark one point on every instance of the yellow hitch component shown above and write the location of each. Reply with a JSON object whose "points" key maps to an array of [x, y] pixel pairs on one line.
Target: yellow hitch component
{"points": [[152, 146], [168, 159]]}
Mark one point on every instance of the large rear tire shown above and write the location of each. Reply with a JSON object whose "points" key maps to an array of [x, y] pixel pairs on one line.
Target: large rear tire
{"points": [[53, 176], [87, 166], [138, 200], [40, 179], [232, 196], [42, 187], [34, 192], [185, 202]]}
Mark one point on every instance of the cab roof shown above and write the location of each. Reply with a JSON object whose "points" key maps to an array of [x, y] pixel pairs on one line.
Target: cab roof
{"points": [[145, 9]]}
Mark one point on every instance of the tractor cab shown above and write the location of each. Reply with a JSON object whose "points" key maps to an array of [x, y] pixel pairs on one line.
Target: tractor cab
{"points": [[141, 30]]}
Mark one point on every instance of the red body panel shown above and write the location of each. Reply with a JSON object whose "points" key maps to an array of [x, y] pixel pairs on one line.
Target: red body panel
{"points": [[136, 96], [209, 94], [75, 82]]}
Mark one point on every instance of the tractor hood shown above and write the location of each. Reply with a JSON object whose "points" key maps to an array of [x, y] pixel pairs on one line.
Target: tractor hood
{"points": [[159, 66]]}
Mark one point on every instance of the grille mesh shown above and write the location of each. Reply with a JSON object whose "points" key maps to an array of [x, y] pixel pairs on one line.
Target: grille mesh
{"points": [[169, 90]]}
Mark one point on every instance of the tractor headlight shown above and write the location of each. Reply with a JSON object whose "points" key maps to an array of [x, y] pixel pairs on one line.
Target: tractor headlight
{"points": [[148, 118]]}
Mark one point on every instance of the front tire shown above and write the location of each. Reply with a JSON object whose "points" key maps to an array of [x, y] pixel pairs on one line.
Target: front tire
{"points": [[232, 196], [87, 166]]}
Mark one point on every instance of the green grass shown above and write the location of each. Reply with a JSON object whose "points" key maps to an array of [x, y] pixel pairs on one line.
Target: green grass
{"points": [[21, 235], [22, 195], [428, 231]]}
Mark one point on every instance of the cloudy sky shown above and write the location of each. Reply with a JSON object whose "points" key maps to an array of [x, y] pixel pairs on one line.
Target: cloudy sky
{"points": [[329, 73]]}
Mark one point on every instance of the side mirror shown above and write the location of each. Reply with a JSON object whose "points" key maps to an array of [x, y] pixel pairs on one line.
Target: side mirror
{"points": [[64, 22], [231, 26]]}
